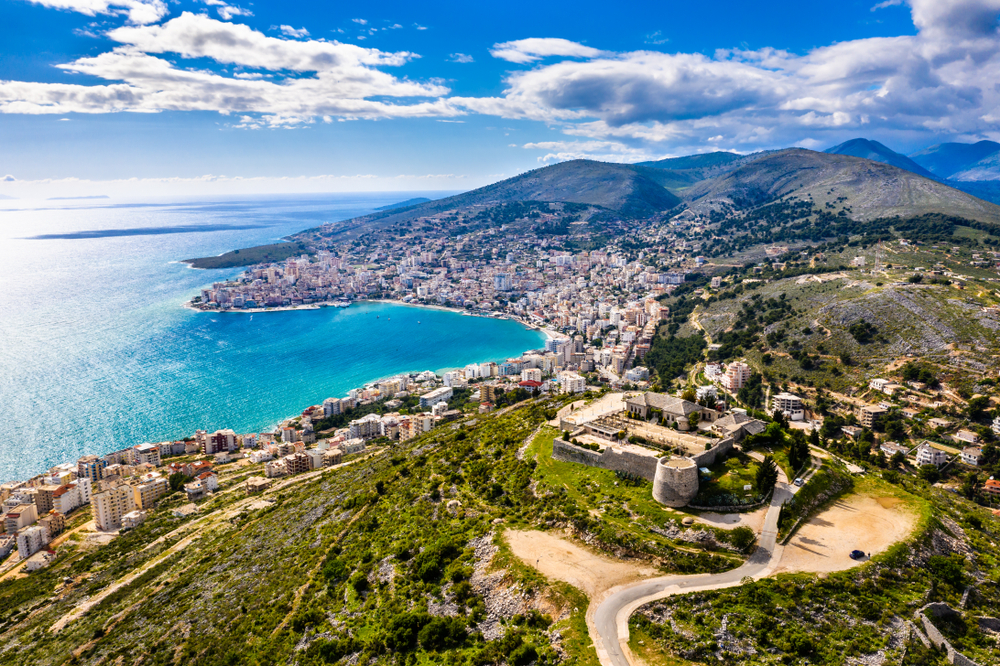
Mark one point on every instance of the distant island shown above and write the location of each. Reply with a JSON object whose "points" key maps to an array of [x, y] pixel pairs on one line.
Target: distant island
{"points": [[96, 196], [403, 204]]}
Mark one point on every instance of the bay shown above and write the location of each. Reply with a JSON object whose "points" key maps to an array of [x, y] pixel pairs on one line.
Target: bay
{"points": [[96, 352]]}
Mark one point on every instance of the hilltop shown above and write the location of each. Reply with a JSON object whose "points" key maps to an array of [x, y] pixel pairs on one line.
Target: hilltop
{"points": [[948, 160], [876, 152]]}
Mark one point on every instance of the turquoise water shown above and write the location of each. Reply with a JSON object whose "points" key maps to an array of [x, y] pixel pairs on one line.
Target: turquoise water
{"points": [[96, 352]]}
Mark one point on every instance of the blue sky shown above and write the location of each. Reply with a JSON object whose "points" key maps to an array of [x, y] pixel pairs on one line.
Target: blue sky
{"points": [[217, 96]]}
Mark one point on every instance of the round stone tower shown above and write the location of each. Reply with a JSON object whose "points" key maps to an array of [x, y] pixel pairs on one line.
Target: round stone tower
{"points": [[676, 481]]}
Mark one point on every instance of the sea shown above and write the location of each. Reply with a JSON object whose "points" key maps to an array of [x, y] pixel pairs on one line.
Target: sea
{"points": [[97, 352]]}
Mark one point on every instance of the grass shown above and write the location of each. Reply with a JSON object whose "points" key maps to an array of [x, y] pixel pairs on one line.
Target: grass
{"points": [[728, 478]]}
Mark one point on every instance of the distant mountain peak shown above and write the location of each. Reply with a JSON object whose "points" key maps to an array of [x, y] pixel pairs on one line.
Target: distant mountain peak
{"points": [[870, 149], [949, 160]]}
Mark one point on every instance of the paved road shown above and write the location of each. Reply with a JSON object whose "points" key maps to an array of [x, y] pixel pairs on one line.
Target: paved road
{"points": [[610, 619]]}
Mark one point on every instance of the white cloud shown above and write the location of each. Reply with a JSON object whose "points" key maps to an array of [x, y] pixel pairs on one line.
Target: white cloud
{"points": [[337, 79], [886, 3], [419, 27], [941, 81], [227, 12], [294, 32], [460, 57], [360, 21], [8, 179], [524, 51], [139, 12]]}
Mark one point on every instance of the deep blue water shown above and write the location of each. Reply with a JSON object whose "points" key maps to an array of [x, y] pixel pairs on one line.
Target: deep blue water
{"points": [[96, 352]]}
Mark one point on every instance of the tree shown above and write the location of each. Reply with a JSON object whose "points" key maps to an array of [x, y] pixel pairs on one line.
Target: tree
{"points": [[694, 419], [930, 473], [977, 406], [767, 475], [897, 460], [798, 450], [177, 481], [689, 395], [779, 417]]}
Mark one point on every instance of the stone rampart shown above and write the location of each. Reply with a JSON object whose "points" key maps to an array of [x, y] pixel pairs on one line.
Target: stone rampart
{"points": [[609, 458]]}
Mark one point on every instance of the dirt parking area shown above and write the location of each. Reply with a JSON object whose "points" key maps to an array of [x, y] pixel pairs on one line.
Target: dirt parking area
{"points": [[561, 559], [870, 524]]}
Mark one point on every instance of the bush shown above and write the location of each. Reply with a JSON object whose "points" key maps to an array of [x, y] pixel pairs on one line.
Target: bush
{"points": [[742, 537]]}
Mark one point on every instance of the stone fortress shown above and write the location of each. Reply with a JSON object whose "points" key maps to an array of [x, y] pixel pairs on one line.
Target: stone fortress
{"points": [[610, 421]]}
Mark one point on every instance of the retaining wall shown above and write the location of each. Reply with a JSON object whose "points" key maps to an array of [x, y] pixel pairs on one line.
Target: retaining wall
{"points": [[940, 609]]}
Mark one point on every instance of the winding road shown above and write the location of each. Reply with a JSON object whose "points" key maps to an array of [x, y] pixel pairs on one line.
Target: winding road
{"points": [[608, 622]]}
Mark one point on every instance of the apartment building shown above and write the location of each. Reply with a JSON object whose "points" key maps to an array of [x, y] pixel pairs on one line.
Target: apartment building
{"points": [[111, 504], [149, 491]]}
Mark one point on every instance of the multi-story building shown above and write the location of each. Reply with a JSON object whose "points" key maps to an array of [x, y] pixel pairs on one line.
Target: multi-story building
{"points": [[43, 498], [297, 463], [53, 522], [19, 516], [531, 375], [869, 415], [91, 467], [737, 375], [111, 504], [147, 453], [331, 407], [367, 427], [928, 455], [570, 382], [219, 441], [30, 540], [431, 398], [133, 519], [788, 404], [972, 455], [149, 491]]}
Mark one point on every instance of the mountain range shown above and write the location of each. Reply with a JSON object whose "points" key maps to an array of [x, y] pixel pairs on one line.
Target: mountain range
{"points": [[861, 178]]}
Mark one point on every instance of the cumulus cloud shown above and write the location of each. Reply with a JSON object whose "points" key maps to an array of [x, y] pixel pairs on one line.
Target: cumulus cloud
{"points": [[940, 81], [294, 32], [138, 11], [360, 21], [460, 57], [333, 78], [525, 51]]}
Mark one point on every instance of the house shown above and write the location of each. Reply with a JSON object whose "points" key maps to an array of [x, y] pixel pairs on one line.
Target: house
{"points": [[992, 486], [851, 431], [928, 455], [738, 425], [972, 455], [256, 484], [966, 436], [939, 423], [133, 519], [892, 448]]}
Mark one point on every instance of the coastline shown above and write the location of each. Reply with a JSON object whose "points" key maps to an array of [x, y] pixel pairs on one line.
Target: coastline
{"points": [[547, 332]]}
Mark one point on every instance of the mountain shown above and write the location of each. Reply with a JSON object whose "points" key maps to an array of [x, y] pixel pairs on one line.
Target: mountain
{"points": [[948, 159], [702, 161], [877, 152], [868, 189], [621, 188], [405, 204], [985, 169]]}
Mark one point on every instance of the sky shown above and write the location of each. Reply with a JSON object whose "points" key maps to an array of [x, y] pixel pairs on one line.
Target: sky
{"points": [[149, 97]]}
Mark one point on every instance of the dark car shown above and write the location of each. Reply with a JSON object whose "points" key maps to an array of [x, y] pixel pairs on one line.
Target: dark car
{"points": [[857, 554]]}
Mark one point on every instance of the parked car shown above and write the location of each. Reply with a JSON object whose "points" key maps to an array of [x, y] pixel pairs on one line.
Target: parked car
{"points": [[857, 555], [799, 482]]}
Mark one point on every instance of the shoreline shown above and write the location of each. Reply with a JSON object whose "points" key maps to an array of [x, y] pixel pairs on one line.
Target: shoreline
{"points": [[547, 332]]}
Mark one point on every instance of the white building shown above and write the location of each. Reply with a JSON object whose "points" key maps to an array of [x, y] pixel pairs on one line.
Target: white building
{"points": [[30, 540], [972, 455], [431, 398], [133, 519], [928, 455], [570, 382], [367, 427], [531, 375], [110, 505], [331, 407], [788, 404]]}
